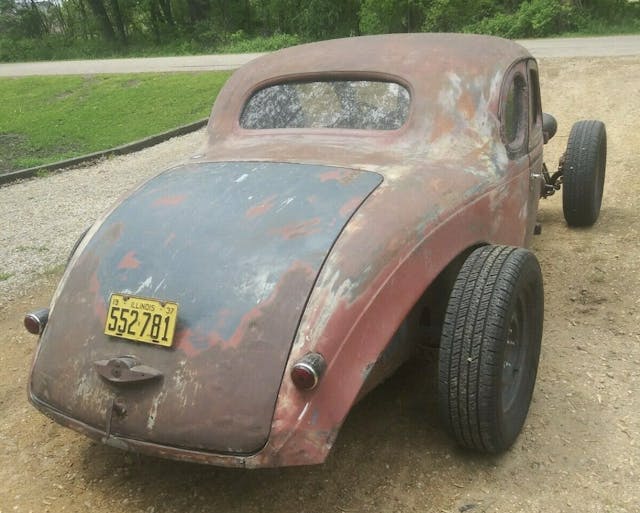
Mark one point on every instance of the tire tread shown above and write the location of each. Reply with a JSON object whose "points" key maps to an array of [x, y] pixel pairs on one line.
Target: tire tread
{"points": [[472, 329], [580, 201]]}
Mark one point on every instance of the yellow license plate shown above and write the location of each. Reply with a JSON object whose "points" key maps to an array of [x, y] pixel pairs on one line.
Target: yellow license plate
{"points": [[141, 319]]}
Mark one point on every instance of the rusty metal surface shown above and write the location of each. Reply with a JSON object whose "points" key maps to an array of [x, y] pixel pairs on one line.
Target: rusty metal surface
{"points": [[454, 82], [238, 246], [448, 184]]}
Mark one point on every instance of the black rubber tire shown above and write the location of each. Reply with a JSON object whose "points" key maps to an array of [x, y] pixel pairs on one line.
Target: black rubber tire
{"points": [[583, 173], [497, 297]]}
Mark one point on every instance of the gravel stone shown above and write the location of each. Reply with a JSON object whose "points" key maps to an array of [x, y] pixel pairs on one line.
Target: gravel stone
{"points": [[41, 218]]}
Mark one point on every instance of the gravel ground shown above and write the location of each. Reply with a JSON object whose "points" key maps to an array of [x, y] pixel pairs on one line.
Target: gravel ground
{"points": [[42, 218], [580, 448]]}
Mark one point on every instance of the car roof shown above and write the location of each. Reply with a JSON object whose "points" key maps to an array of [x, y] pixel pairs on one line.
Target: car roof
{"points": [[454, 81], [408, 56]]}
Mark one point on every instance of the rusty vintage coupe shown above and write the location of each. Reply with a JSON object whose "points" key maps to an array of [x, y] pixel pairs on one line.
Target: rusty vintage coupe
{"points": [[357, 198]]}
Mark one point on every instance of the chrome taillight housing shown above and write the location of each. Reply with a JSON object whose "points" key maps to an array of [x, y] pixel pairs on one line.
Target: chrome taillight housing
{"points": [[307, 372], [36, 320]]}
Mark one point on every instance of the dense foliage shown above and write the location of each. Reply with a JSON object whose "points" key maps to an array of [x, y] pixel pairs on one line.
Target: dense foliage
{"points": [[46, 29]]}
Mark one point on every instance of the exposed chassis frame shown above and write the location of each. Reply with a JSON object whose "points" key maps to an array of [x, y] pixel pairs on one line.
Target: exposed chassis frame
{"points": [[552, 182]]}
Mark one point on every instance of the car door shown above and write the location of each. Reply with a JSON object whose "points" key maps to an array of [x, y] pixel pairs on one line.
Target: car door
{"points": [[536, 142], [514, 126]]}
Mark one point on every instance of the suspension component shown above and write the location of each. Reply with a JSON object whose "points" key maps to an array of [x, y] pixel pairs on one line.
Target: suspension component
{"points": [[552, 183]]}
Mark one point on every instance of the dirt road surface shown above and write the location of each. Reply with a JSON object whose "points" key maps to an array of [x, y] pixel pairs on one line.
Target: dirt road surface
{"points": [[580, 449]]}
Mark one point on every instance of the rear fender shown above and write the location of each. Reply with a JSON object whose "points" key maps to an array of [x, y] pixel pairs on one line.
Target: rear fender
{"points": [[352, 320]]}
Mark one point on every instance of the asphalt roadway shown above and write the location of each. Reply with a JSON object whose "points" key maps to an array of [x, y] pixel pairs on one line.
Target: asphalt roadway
{"points": [[609, 46]]}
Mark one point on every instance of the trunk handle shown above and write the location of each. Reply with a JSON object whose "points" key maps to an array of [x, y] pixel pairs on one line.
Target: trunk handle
{"points": [[125, 369]]}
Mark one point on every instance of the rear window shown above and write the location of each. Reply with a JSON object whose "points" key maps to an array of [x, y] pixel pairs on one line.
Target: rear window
{"points": [[357, 104]]}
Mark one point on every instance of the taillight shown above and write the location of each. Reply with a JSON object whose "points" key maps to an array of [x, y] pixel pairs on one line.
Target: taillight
{"points": [[307, 372], [36, 321]]}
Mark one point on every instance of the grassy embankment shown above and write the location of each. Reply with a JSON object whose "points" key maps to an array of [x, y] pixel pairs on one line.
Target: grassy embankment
{"points": [[55, 47], [46, 119]]}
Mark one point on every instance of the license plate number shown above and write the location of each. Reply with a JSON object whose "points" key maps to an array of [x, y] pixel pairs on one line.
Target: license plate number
{"points": [[141, 319]]}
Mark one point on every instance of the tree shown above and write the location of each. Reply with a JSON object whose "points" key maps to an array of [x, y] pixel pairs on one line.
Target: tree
{"points": [[452, 15], [385, 16], [22, 20], [198, 10], [323, 19], [118, 21], [104, 22]]}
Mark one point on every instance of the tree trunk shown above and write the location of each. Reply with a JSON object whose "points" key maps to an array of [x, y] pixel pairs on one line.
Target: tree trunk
{"points": [[198, 10], [65, 28], [117, 15], [85, 19], [222, 8], [154, 16], [165, 6], [42, 26], [101, 15], [248, 20]]}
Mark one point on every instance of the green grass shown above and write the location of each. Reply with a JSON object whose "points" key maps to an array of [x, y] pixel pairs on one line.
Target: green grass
{"points": [[46, 119], [54, 270], [37, 249], [5, 276]]}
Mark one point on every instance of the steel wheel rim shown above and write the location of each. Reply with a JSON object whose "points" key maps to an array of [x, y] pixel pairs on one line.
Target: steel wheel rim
{"points": [[514, 360]]}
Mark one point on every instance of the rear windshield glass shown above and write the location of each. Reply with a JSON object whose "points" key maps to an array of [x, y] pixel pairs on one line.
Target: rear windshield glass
{"points": [[358, 104]]}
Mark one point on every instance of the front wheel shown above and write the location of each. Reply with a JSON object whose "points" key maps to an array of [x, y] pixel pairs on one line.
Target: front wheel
{"points": [[583, 171], [490, 346]]}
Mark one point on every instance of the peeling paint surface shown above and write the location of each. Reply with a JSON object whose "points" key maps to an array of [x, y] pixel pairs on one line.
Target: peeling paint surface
{"points": [[241, 283], [281, 242]]}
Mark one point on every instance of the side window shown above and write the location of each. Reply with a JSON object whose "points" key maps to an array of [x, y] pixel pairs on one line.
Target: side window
{"points": [[514, 114], [535, 109], [534, 103]]}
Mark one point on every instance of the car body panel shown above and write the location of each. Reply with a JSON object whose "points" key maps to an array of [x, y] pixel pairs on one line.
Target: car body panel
{"points": [[238, 246], [449, 183], [455, 84]]}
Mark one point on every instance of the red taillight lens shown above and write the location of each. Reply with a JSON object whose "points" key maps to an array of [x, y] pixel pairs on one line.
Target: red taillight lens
{"points": [[303, 377], [36, 321], [307, 372]]}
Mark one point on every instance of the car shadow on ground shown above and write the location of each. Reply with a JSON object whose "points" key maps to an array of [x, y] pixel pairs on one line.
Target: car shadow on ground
{"points": [[392, 434]]}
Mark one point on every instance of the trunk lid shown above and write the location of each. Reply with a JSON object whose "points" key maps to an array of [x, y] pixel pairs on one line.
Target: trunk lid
{"points": [[238, 245]]}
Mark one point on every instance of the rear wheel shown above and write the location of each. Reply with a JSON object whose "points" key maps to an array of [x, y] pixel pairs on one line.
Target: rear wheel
{"points": [[583, 172], [490, 346]]}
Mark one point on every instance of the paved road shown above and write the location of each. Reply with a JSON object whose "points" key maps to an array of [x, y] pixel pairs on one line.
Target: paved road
{"points": [[135, 65], [560, 47], [610, 46]]}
